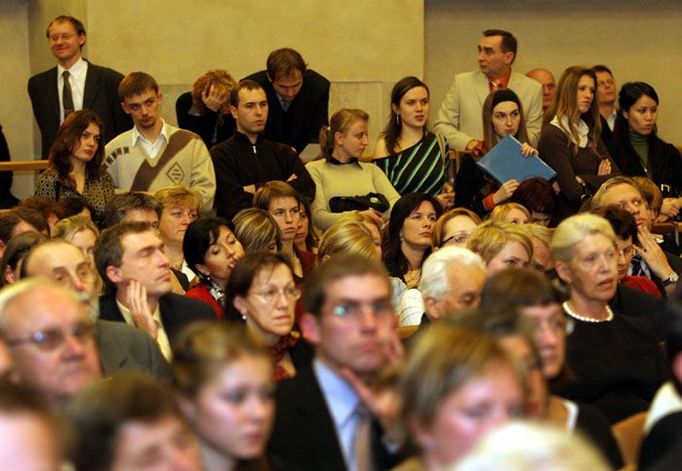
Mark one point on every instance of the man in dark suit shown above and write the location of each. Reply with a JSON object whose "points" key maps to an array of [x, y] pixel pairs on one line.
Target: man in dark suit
{"points": [[130, 260], [339, 422], [298, 99], [85, 86], [607, 92], [120, 346]]}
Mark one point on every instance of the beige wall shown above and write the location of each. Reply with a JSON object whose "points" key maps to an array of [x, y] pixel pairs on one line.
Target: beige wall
{"points": [[176, 42], [353, 43], [638, 40]]}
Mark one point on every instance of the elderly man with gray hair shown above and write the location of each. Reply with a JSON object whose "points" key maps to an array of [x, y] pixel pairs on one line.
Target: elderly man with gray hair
{"points": [[452, 278]]}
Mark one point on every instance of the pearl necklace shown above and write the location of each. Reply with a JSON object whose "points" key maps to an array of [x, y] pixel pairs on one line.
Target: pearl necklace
{"points": [[577, 316]]}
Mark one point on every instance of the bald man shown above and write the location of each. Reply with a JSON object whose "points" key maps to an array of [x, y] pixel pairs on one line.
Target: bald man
{"points": [[546, 79]]}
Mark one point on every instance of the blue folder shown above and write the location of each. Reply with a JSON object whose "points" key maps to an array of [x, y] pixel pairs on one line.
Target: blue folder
{"points": [[505, 162]]}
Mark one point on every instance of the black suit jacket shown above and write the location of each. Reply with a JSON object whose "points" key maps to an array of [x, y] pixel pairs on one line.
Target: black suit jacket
{"points": [[176, 312], [100, 96], [304, 437], [300, 124], [662, 446]]}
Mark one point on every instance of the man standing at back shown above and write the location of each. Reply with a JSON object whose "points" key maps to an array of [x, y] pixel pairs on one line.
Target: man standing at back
{"points": [[460, 116], [155, 155], [74, 84], [298, 99]]}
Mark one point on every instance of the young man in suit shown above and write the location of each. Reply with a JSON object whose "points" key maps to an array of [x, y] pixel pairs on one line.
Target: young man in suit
{"points": [[74, 84], [136, 272], [459, 117], [298, 99], [339, 419]]}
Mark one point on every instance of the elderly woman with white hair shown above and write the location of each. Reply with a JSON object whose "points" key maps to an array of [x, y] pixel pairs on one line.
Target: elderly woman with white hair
{"points": [[452, 279], [616, 359]]}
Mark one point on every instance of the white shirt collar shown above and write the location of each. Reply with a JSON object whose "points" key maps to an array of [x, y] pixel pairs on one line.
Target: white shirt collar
{"points": [[583, 130], [164, 133], [77, 70]]}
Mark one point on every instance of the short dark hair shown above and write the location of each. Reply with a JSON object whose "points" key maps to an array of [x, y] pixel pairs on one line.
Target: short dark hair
{"points": [[136, 83], [284, 62], [119, 205], [601, 68], [334, 268], [242, 276], [622, 222], [509, 42], [109, 249], [513, 288], [76, 23], [102, 409], [246, 84], [274, 189], [15, 251], [21, 214]]}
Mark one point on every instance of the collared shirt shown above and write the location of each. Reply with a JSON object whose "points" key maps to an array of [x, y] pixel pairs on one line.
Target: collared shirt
{"points": [[342, 402], [582, 127], [611, 120], [285, 104], [333, 160], [78, 72], [161, 337], [151, 148], [501, 82]]}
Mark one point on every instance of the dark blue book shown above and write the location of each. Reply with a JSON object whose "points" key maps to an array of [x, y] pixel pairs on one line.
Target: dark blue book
{"points": [[505, 162]]}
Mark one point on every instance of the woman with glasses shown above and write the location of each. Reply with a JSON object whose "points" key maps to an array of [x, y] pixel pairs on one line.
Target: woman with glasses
{"points": [[262, 293], [454, 228]]}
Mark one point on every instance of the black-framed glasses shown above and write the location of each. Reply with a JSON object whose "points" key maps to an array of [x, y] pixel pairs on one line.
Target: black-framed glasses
{"points": [[51, 339]]}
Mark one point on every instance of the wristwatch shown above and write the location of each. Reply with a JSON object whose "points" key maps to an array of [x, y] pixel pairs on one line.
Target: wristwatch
{"points": [[671, 280]]}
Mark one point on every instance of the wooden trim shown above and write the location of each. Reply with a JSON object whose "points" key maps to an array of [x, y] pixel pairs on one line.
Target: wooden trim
{"points": [[23, 165]]}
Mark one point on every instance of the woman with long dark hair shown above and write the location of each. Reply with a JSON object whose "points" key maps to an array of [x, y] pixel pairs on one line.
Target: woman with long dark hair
{"points": [[502, 116], [75, 164], [636, 147], [413, 158]]}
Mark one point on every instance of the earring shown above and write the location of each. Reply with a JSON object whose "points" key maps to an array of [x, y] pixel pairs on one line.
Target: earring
{"points": [[397, 119]]}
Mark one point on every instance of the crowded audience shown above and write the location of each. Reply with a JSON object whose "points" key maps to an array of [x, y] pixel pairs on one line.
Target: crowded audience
{"points": [[167, 306]]}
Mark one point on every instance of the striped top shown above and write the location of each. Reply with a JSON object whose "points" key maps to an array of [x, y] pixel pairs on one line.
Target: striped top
{"points": [[417, 169]]}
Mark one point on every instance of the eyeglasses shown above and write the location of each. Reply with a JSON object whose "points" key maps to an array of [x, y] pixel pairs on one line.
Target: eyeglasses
{"points": [[456, 238], [354, 308], [51, 339], [557, 325], [63, 36], [271, 294]]}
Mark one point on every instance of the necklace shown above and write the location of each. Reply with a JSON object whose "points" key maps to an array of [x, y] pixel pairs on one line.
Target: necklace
{"points": [[577, 316]]}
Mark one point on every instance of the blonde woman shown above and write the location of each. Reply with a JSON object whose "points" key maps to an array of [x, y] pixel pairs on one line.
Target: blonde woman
{"points": [[501, 245], [344, 183]]}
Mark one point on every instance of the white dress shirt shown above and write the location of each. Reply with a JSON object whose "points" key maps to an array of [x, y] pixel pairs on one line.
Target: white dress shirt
{"points": [[78, 72]]}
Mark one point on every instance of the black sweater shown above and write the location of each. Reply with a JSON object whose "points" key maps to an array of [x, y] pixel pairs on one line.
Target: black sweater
{"points": [[238, 163]]}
